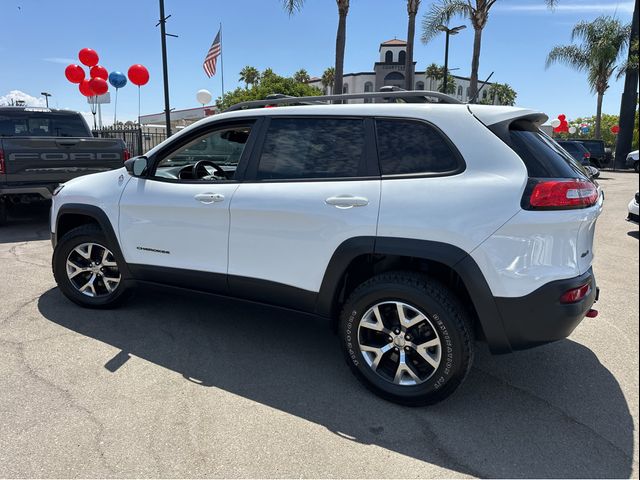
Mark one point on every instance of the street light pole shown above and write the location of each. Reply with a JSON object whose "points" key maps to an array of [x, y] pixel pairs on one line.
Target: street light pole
{"points": [[46, 97], [448, 32], [446, 61]]}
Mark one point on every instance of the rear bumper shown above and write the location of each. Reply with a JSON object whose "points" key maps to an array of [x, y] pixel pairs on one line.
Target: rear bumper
{"points": [[45, 192], [540, 318]]}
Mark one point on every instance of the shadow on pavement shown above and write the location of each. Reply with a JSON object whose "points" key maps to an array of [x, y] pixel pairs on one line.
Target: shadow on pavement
{"points": [[550, 412], [26, 223], [634, 233]]}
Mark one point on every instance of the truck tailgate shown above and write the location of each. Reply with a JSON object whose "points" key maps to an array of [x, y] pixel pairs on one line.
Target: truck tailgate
{"points": [[56, 160]]}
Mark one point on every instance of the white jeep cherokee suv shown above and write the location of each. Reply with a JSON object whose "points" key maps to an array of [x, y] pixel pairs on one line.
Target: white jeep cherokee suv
{"points": [[415, 227]]}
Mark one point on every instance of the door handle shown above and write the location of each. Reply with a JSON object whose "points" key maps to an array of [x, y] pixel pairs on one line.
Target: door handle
{"points": [[209, 197], [347, 201]]}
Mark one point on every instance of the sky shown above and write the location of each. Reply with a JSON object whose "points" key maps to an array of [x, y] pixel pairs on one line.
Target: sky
{"points": [[40, 38]]}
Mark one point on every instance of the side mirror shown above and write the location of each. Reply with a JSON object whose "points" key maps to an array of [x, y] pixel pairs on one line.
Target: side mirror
{"points": [[136, 166]]}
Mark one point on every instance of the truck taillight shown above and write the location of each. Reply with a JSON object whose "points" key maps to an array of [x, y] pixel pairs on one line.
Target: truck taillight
{"points": [[586, 155], [2, 167], [562, 194], [126, 154]]}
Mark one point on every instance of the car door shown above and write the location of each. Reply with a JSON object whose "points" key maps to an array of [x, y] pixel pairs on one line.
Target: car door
{"points": [[174, 223], [312, 184]]}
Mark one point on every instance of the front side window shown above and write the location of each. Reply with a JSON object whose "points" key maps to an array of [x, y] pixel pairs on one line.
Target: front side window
{"points": [[298, 148], [212, 157], [412, 147]]}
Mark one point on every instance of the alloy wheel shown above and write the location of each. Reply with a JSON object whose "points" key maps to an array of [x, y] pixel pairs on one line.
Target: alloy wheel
{"points": [[399, 343], [92, 270]]}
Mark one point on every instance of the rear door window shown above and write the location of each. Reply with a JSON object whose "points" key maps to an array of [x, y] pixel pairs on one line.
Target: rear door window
{"points": [[412, 147], [300, 148]]}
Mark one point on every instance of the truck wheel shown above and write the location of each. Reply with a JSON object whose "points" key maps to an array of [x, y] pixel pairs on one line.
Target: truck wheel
{"points": [[636, 167], [86, 270], [407, 338]]}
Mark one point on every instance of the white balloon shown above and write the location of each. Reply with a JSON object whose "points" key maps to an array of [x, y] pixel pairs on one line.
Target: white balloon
{"points": [[572, 130], [203, 96], [555, 123]]}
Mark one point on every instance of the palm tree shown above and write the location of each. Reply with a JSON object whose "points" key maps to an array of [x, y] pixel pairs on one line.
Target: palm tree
{"points": [[477, 11], [412, 11], [301, 76], [249, 75], [328, 78], [602, 43], [341, 37], [433, 72]]}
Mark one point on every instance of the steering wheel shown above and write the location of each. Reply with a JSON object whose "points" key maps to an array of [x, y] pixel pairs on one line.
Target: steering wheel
{"points": [[198, 168]]}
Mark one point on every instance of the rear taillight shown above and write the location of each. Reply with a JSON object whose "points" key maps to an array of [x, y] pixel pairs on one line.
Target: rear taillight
{"points": [[586, 155], [560, 194], [576, 294], [126, 154], [2, 167]]}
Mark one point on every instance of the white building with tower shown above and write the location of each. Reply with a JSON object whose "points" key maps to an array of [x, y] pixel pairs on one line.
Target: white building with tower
{"points": [[390, 70]]}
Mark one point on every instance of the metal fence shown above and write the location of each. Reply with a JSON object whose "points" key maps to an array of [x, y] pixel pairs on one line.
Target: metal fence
{"points": [[138, 140]]}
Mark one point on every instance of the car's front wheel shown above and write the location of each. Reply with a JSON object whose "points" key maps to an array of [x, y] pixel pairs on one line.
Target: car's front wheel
{"points": [[407, 338], [86, 269]]}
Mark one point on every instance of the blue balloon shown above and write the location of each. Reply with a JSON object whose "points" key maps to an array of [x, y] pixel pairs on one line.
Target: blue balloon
{"points": [[585, 129], [117, 79]]}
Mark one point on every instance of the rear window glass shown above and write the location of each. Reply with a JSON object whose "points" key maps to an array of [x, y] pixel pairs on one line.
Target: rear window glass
{"points": [[543, 157], [596, 148], [312, 148], [406, 146], [39, 124]]}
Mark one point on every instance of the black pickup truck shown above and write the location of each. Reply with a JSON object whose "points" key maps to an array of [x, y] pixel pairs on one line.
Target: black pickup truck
{"points": [[41, 148]]}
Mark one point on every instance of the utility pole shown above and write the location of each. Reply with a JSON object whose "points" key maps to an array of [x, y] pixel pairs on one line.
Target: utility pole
{"points": [[165, 73], [628, 103]]}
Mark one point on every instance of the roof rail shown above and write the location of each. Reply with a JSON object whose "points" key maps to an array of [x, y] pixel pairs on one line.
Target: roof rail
{"points": [[414, 96]]}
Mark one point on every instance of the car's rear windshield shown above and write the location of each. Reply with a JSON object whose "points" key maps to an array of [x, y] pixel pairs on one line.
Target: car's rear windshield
{"points": [[42, 124], [542, 156]]}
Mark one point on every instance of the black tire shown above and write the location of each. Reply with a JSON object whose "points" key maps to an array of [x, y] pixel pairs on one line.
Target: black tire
{"points": [[71, 240], [450, 320], [636, 167]]}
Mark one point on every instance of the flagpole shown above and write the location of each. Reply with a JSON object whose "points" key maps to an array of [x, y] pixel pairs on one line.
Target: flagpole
{"points": [[221, 63]]}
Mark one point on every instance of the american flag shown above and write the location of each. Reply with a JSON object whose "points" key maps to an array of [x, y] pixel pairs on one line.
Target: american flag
{"points": [[210, 60]]}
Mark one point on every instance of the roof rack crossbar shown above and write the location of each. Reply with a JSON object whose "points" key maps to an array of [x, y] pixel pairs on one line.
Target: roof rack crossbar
{"points": [[317, 100]]}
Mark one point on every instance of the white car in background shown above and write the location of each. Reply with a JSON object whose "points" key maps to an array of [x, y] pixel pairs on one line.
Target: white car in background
{"points": [[632, 160], [633, 209]]}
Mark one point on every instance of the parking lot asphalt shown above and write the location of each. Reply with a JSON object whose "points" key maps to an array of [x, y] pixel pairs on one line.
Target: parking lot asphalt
{"points": [[181, 385]]}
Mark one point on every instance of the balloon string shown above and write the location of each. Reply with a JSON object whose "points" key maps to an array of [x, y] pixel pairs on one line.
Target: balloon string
{"points": [[139, 107], [115, 108]]}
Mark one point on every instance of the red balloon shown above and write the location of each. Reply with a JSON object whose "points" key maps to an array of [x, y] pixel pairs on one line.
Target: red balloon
{"points": [[88, 57], [85, 88], [74, 73], [562, 117], [615, 129], [138, 74], [99, 72], [98, 85]]}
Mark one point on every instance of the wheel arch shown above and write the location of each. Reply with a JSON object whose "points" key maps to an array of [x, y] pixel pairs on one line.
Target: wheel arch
{"points": [[359, 258], [73, 215]]}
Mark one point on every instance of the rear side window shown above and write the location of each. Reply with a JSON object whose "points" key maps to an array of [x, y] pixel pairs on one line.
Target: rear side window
{"points": [[413, 147], [312, 148], [541, 155]]}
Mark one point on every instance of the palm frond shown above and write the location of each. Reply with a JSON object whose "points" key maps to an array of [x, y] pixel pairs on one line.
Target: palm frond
{"points": [[440, 13], [570, 55], [292, 6]]}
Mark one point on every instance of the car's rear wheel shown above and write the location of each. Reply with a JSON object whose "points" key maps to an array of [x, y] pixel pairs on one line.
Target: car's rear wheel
{"points": [[86, 269], [3, 212], [407, 338]]}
